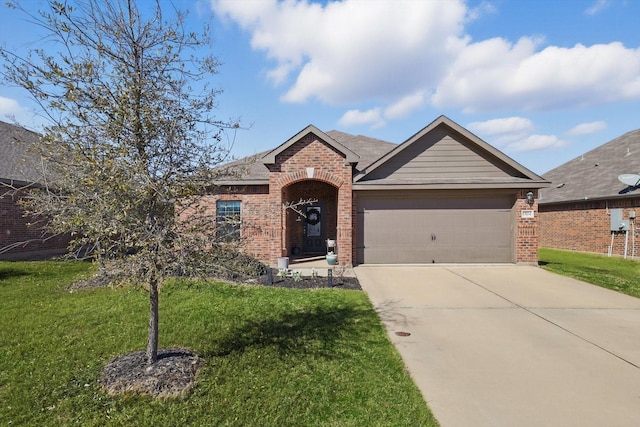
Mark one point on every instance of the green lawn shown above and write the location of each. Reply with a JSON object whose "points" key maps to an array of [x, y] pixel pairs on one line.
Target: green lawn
{"points": [[274, 357], [622, 275]]}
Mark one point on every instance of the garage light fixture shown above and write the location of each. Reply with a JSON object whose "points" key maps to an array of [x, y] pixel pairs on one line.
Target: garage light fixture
{"points": [[530, 198]]}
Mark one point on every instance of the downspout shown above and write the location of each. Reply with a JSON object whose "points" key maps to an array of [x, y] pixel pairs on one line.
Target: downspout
{"points": [[610, 248], [632, 220], [633, 239]]}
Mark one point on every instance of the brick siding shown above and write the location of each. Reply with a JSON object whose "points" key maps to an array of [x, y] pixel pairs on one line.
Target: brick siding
{"points": [[268, 231], [256, 232], [526, 229], [586, 226], [290, 168], [15, 228]]}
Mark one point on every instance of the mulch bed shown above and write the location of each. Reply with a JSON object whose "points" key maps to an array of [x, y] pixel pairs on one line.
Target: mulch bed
{"points": [[172, 375], [339, 282]]}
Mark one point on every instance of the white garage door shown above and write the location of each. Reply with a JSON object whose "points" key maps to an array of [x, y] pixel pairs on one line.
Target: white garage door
{"points": [[434, 230]]}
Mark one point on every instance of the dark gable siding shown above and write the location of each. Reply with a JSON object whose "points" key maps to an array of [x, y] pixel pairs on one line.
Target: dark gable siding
{"points": [[441, 154]]}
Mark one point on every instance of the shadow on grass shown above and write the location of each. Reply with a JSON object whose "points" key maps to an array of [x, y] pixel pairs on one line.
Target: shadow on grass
{"points": [[321, 331], [12, 273]]}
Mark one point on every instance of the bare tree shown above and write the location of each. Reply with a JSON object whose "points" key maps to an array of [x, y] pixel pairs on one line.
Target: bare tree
{"points": [[297, 206], [131, 142]]}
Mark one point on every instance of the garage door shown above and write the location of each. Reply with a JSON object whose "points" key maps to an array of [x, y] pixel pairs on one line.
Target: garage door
{"points": [[434, 230]]}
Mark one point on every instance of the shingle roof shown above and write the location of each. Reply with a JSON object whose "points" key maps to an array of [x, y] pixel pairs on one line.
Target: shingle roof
{"points": [[250, 169], [594, 175], [369, 149], [253, 171], [16, 163]]}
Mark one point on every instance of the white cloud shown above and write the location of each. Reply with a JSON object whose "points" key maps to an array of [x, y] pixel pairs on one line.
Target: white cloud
{"points": [[535, 142], [371, 117], [11, 111], [484, 8], [514, 134], [494, 74], [9, 107], [353, 50], [392, 53], [597, 7], [376, 117], [502, 126], [405, 106], [504, 131], [587, 128]]}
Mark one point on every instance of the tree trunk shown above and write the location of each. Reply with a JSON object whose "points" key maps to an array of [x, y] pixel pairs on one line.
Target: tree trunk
{"points": [[152, 342]]}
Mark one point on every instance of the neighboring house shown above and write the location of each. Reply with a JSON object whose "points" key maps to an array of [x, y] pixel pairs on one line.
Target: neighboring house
{"points": [[442, 196], [19, 170], [587, 208]]}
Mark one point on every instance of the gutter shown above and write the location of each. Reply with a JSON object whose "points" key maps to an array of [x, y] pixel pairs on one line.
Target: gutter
{"points": [[450, 186], [589, 199]]}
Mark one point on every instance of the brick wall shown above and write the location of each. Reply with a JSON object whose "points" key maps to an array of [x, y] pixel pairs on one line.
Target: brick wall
{"points": [[15, 229], [270, 232], [527, 233], [586, 226], [308, 160], [257, 239]]}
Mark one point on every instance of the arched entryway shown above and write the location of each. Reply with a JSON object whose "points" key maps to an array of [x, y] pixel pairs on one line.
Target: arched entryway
{"points": [[307, 230]]}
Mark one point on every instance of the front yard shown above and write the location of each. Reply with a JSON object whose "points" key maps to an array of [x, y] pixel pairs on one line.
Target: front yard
{"points": [[618, 274], [273, 357]]}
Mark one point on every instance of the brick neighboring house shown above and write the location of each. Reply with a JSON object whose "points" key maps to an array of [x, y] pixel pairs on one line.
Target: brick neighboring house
{"points": [[442, 196], [584, 207], [19, 170]]}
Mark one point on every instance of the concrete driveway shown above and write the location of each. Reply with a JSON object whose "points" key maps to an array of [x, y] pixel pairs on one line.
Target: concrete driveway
{"points": [[507, 345]]}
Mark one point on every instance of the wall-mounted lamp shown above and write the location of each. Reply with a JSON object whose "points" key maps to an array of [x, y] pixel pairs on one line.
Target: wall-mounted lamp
{"points": [[530, 198]]}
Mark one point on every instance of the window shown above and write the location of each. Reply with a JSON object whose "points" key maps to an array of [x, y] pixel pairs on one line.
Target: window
{"points": [[228, 219]]}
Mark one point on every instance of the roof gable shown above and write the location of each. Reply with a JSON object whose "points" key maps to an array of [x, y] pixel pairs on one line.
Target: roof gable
{"points": [[349, 156], [252, 170], [446, 153]]}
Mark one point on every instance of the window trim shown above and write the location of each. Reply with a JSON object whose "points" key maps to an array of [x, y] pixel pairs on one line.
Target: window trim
{"points": [[232, 208]]}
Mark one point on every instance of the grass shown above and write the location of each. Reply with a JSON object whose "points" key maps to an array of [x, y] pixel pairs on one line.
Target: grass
{"points": [[274, 357], [618, 274]]}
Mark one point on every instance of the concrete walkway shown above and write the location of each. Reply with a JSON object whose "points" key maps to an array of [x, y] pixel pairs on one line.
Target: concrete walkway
{"points": [[507, 345]]}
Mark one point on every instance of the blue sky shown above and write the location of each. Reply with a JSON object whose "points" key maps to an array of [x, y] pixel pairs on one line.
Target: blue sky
{"points": [[542, 80]]}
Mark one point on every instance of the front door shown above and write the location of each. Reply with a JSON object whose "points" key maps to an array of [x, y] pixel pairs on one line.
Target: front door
{"points": [[314, 233]]}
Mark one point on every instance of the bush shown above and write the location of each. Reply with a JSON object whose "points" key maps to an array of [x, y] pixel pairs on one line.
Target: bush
{"points": [[223, 263]]}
